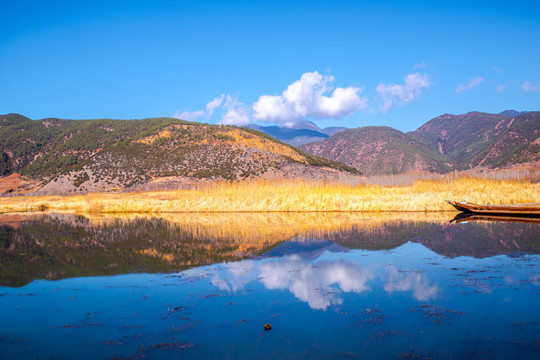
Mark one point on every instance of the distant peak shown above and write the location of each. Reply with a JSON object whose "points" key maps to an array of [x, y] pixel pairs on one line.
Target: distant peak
{"points": [[305, 125], [510, 113]]}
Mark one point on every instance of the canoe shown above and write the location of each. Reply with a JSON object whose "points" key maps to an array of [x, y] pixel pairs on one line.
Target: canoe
{"points": [[515, 209]]}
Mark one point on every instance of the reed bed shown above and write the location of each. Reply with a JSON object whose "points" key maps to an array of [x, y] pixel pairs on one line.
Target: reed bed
{"points": [[289, 196]]}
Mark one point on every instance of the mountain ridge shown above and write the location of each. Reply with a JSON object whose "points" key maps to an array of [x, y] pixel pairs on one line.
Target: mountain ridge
{"points": [[301, 133], [445, 143], [98, 155], [379, 150]]}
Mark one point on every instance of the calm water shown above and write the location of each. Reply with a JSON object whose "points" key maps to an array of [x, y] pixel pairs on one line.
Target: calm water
{"points": [[331, 286]]}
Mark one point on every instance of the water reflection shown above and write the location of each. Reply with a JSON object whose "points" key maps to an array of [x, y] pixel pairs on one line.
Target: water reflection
{"points": [[466, 217], [320, 282], [331, 285], [414, 281], [56, 246]]}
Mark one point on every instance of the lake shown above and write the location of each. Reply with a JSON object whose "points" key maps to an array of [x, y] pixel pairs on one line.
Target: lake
{"points": [[330, 285]]}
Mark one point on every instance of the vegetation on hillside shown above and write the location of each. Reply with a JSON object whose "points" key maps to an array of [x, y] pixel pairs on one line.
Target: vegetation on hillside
{"points": [[379, 150], [43, 147], [311, 159], [443, 144], [130, 152], [520, 143], [482, 139]]}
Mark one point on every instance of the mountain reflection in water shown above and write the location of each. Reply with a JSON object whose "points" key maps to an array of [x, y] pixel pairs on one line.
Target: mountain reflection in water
{"points": [[332, 286], [56, 246]]}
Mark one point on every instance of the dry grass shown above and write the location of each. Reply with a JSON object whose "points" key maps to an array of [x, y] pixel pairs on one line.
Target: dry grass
{"points": [[292, 196]]}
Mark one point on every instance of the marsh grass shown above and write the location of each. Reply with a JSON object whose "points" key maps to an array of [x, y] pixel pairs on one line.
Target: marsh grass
{"points": [[289, 196]]}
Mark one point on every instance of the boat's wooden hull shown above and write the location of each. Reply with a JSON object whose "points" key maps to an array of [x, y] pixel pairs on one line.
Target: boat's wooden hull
{"points": [[519, 209]]}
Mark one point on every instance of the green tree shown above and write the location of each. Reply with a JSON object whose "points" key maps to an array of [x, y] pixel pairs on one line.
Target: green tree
{"points": [[4, 164]]}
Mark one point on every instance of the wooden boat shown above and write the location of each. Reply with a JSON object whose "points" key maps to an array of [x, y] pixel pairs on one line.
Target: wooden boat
{"points": [[515, 210]]}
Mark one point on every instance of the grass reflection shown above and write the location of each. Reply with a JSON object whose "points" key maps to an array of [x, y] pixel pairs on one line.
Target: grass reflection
{"points": [[60, 245]]}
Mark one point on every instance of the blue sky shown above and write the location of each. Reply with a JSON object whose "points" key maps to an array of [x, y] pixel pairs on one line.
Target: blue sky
{"points": [[337, 63]]}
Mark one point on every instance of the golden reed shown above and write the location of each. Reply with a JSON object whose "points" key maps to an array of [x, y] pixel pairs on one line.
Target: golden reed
{"points": [[288, 196]]}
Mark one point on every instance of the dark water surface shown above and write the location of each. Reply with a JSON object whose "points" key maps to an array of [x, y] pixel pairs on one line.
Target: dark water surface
{"points": [[332, 286]]}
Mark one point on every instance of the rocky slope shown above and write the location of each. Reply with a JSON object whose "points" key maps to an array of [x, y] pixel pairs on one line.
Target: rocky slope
{"points": [[445, 143], [482, 139], [100, 155], [379, 150]]}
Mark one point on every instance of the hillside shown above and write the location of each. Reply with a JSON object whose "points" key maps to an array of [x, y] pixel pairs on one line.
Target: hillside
{"points": [[482, 139], [300, 133], [445, 143], [68, 156], [97, 155], [519, 143], [379, 150]]}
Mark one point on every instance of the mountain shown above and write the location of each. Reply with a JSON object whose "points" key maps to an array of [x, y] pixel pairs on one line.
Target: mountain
{"points": [[97, 155], [519, 144], [332, 130], [511, 113], [379, 150], [482, 139], [300, 133], [291, 136], [305, 124], [445, 143]]}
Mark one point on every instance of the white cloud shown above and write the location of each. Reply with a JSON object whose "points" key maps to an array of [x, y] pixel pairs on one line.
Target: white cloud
{"points": [[305, 98], [189, 115], [237, 113], [194, 115], [392, 95], [421, 65], [312, 96], [214, 104], [501, 88], [471, 83], [528, 87], [494, 68]]}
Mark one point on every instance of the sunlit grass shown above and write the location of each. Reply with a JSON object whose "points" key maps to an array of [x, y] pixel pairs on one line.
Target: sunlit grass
{"points": [[292, 196]]}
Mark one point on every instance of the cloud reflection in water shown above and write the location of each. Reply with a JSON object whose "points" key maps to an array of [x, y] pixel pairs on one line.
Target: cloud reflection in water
{"points": [[320, 282], [410, 281], [317, 284]]}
